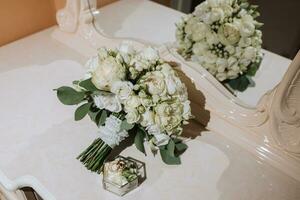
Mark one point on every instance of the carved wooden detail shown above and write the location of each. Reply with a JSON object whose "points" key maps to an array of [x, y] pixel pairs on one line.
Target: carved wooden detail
{"points": [[285, 109]]}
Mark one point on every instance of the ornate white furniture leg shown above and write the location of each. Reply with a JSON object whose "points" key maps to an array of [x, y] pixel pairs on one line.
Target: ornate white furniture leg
{"points": [[284, 110]]}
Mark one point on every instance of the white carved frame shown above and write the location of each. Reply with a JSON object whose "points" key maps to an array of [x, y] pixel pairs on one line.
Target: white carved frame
{"points": [[270, 131]]}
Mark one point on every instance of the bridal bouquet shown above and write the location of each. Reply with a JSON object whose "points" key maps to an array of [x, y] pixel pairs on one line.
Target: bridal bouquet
{"points": [[223, 36], [130, 92]]}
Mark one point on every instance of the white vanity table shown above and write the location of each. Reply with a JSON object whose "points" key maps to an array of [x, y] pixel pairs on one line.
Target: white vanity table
{"points": [[39, 138]]}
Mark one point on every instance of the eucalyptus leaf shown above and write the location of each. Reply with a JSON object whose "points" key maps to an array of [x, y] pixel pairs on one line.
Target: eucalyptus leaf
{"points": [[171, 147], [252, 69], [126, 126], [102, 117], [69, 96], [93, 116], [241, 83], [88, 85], [82, 111], [168, 159], [139, 140], [180, 148]]}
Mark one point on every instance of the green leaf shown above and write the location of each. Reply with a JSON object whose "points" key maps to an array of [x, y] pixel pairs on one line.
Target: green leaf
{"points": [[168, 159], [93, 115], [101, 117], [126, 126], [82, 111], [180, 148], [171, 148], [69, 96], [241, 83], [252, 69], [139, 140], [88, 85]]}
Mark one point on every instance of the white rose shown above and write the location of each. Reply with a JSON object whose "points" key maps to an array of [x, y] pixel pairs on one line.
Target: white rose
{"points": [[132, 116], [199, 31], [244, 42], [231, 74], [150, 54], [230, 49], [221, 76], [155, 83], [199, 48], [249, 53], [247, 27], [147, 118], [230, 33], [231, 61], [244, 62], [107, 72], [102, 53], [123, 89], [216, 14], [212, 38], [107, 101], [221, 64], [213, 3], [132, 102]]}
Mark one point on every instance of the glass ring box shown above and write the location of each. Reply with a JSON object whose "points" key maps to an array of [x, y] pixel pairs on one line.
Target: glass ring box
{"points": [[123, 175]]}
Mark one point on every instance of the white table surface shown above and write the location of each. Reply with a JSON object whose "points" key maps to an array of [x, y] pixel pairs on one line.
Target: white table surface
{"points": [[39, 137]]}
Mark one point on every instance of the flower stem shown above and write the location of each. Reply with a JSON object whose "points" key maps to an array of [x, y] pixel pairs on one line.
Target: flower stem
{"points": [[95, 155]]}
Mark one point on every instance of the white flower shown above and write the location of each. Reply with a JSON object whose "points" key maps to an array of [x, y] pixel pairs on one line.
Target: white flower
{"points": [[132, 102], [155, 83], [133, 116], [150, 54], [123, 89], [102, 53], [222, 64], [160, 138], [147, 118], [199, 31], [230, 33], [221, 76], [107, 72], [107, 101], [211, 38], [247, 27], [250, 53], [199, 48]]}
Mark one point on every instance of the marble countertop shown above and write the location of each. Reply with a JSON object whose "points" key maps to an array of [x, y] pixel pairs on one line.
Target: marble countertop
{"points": [[38, 137]]}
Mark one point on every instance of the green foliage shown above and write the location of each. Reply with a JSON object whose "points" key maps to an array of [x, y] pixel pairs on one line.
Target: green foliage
{"points": [[69, 96], [82, 111], [252, 69], [101, 117], [88, 85], [126, 126], [170, 153], [169, 159], [241, 83], [139, 140]]}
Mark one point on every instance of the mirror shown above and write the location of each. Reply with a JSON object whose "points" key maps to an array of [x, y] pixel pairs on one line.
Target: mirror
{"points": [[152, 23]]}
